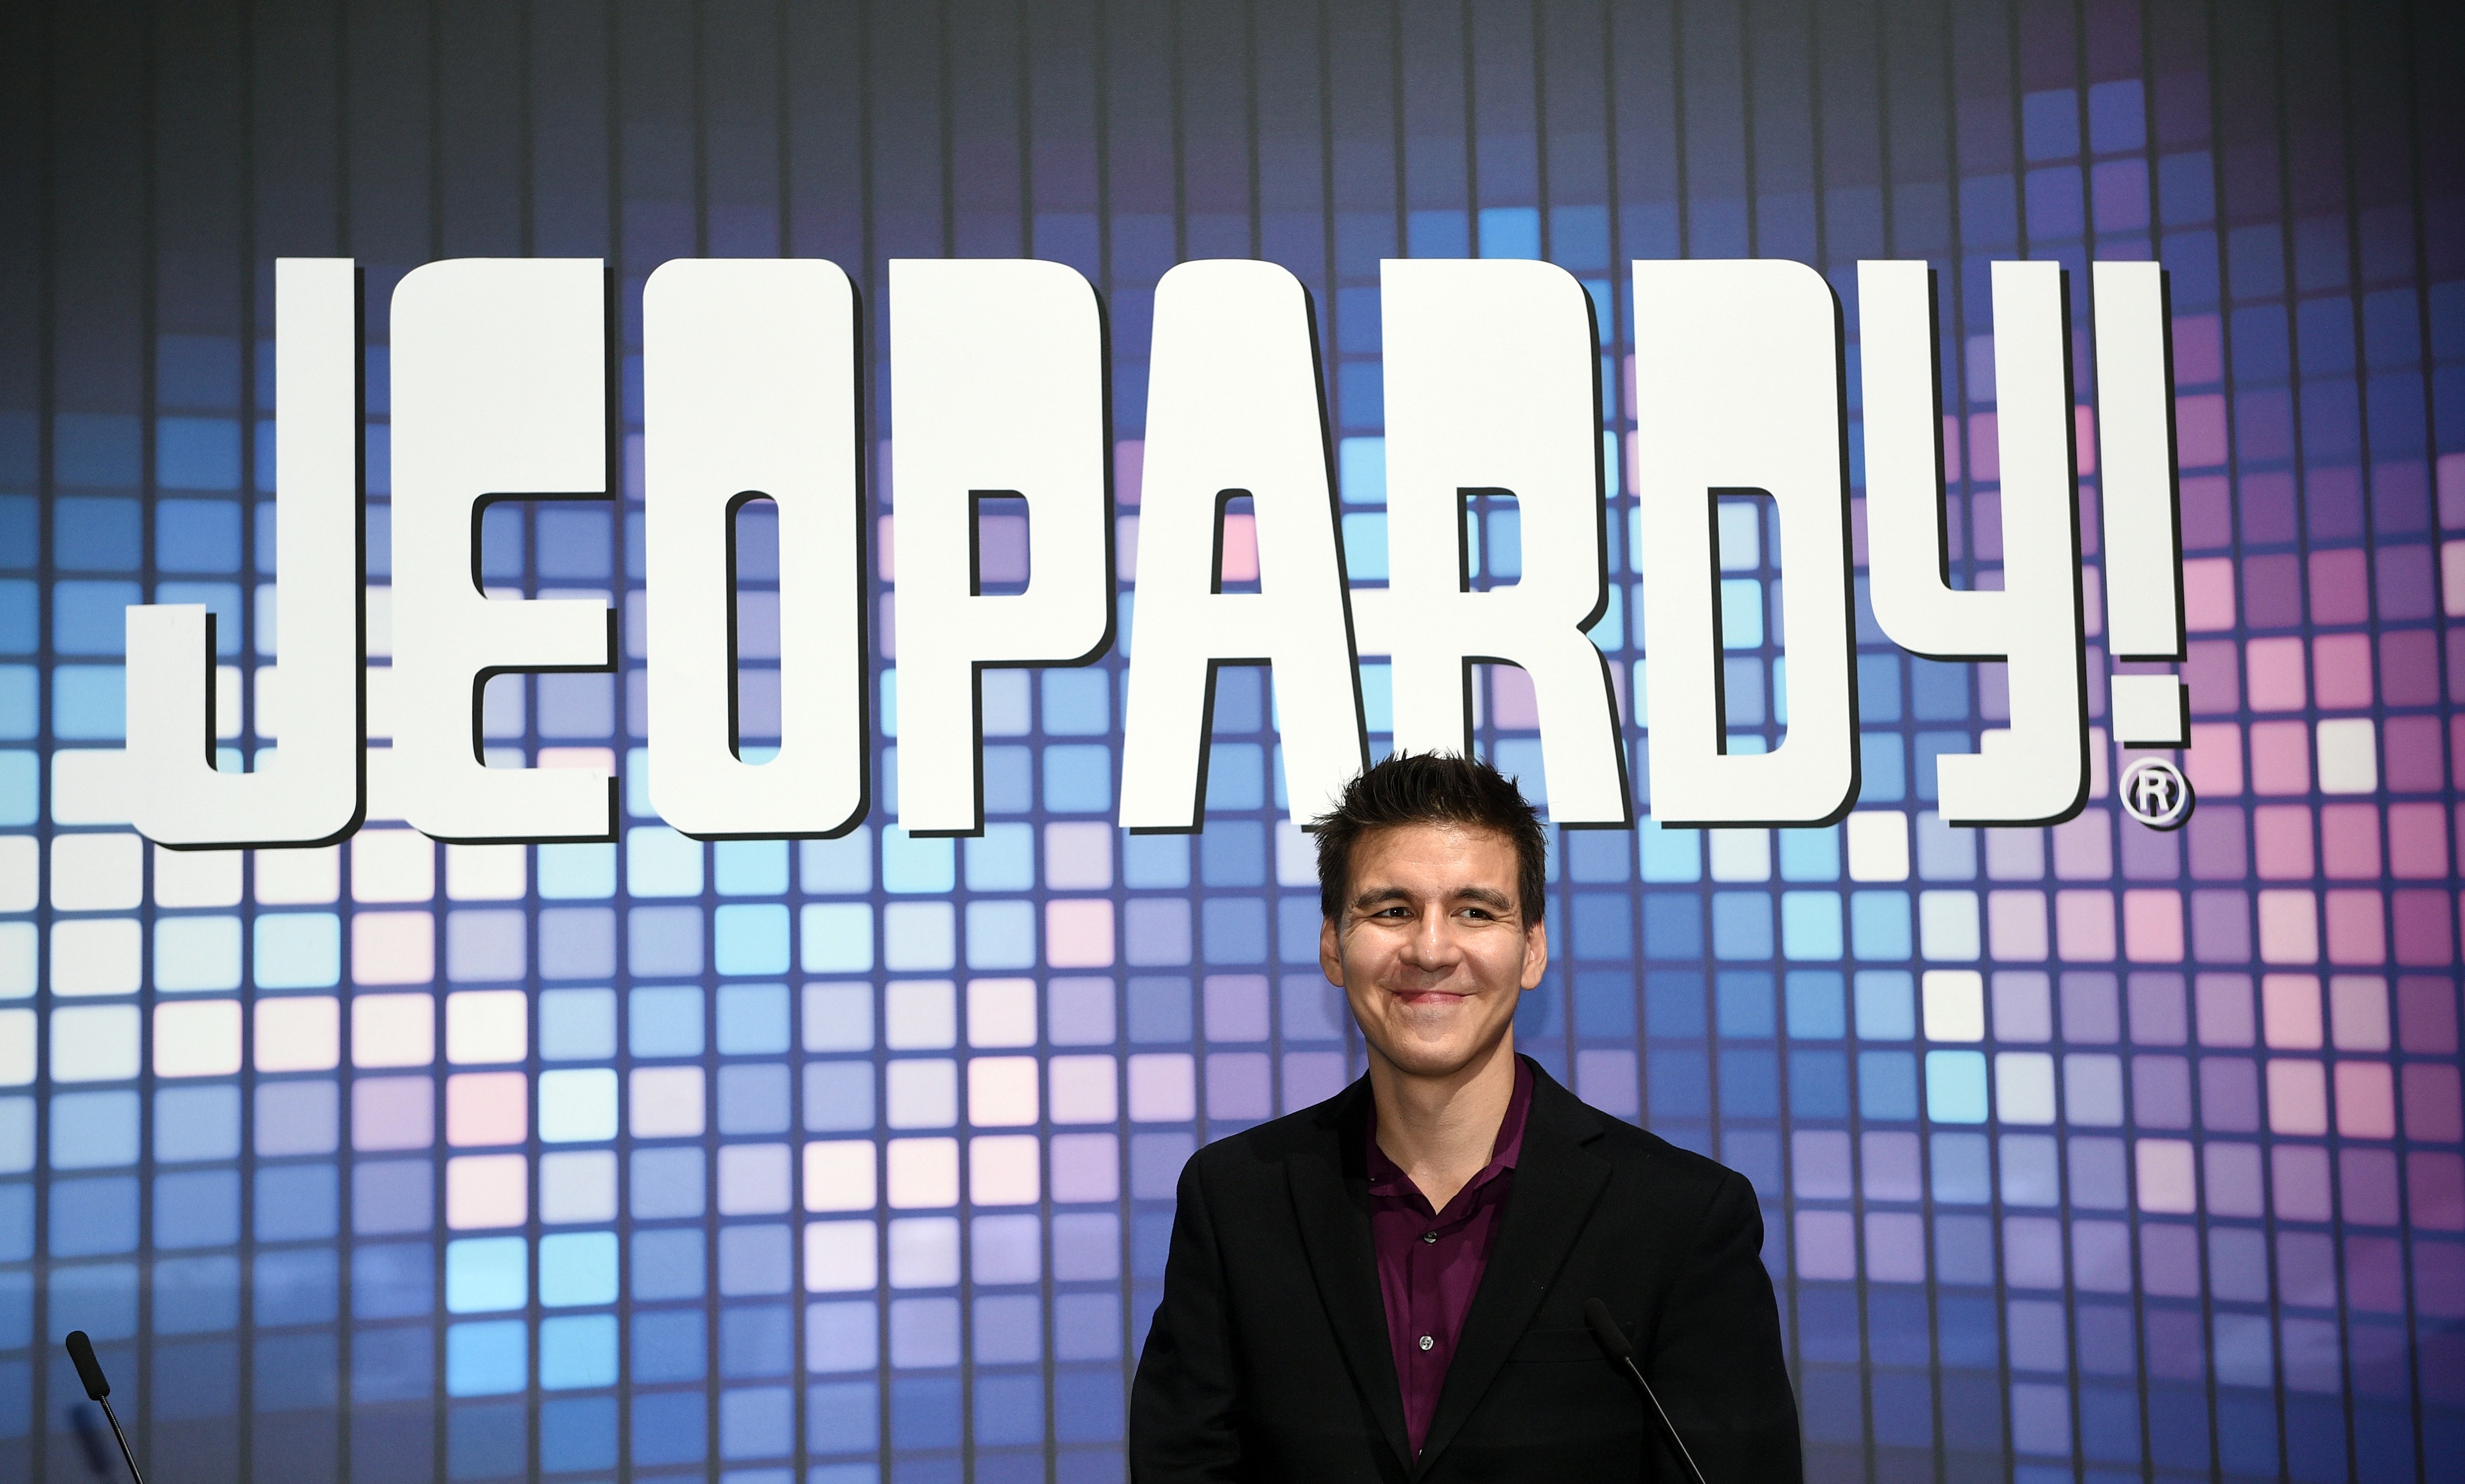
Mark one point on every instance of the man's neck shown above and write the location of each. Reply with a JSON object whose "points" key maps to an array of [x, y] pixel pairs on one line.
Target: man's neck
{"points": [[1441, 1131]]}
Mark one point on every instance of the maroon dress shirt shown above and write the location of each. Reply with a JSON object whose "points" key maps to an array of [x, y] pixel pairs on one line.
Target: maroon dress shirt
{"points": [[1429, 1262]]}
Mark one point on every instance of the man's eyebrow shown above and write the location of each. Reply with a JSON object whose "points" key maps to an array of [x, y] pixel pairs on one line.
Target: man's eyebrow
{"points": [[1487, 896]]}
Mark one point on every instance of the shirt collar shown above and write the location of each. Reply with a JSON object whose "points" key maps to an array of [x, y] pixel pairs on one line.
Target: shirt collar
{"points": [[1387, 1177]]}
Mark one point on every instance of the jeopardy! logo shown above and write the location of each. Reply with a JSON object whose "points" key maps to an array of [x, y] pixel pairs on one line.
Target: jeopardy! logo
{"points": [[751, 389]]}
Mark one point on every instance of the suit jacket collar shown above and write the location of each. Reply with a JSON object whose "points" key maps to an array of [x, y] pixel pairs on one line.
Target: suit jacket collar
{"points": [[1556, 1186], [1556, 1183], [1330, 1184]]}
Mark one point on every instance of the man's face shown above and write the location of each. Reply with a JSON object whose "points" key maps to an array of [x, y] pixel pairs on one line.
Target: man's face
{"points": [[1432, 949]]}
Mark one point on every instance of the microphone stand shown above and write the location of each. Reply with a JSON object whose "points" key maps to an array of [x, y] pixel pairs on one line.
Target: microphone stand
{"points": [[1620, 1351]]}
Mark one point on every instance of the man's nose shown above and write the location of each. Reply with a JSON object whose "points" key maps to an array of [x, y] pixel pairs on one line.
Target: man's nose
{"points": [[1432, 943]]}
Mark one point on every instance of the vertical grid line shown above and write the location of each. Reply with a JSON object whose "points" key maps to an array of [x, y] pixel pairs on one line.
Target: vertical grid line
{"points": [[250, 497], [621, 1146], [2071, 333], [2357, 287], [46, 641], [2286, 303], [2204, 1220], [2408, 1276], [2133, 1214], [150, 325]]}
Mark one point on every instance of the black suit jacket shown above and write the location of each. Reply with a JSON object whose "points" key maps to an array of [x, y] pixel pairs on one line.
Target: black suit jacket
{"points": [[1269, 1360]]}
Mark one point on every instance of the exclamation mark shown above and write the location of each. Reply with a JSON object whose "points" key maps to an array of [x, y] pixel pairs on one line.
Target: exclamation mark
{"points": [[2144, 567]]}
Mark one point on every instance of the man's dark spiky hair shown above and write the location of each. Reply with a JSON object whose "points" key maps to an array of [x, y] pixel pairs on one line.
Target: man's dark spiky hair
{"points": [[1430, 789]]}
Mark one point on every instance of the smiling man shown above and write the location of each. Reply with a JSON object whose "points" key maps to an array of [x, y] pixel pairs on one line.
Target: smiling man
{"points": [[1392, 1285]]}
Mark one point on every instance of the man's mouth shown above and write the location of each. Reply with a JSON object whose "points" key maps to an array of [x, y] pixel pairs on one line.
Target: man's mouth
{"points": [[1428, 996]]}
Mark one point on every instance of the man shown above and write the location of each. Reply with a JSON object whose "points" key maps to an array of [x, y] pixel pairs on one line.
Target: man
{"points": [[1392, 1285]]}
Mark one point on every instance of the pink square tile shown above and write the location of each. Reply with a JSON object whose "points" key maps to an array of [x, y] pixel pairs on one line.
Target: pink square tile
{"points": [[2209, 594], [486, 1191], [2289, 927], [298, 1033], [2280, 836], [2413, 761], [2365, 1099], [2280, 758], [2422, 919], [2340, 589], [486, 1108], [2409, 667], [2276, 670], [2431, 1108], [2152, 925], [2298, 1097], [2340, 671], [2166, 1176], [2290, 1013], [2417, 842], [1078, 932], [2357, 927], [2200, 431], [2084, 925], [2349, 841], [2214, 759], [392, 948]]}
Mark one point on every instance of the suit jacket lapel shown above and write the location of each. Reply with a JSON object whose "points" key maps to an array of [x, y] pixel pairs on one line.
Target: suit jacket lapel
{"points": [[1556, 1181], [1330, 1187]]}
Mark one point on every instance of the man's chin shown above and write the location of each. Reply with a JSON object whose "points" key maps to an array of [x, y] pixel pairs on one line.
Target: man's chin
{"points": [[1436, 1057]]}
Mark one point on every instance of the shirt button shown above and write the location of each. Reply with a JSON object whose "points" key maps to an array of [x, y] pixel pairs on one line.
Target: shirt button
{"points": [[1427, 1342], [1428, 1236]]}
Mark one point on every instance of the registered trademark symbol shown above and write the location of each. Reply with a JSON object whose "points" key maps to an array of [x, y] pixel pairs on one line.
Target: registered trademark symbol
{"points": [[2156, 794]]}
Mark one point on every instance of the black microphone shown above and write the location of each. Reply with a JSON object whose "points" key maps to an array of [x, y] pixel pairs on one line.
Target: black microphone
{"points": [[98, 1388], [1617, 1347]]}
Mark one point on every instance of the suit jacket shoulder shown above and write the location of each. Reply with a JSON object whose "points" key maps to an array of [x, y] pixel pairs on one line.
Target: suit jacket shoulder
{"points": [[1642, 1153], [1268, 1145]]}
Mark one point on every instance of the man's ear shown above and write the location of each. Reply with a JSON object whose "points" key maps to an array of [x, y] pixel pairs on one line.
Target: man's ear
{"points": [[1330, 952], [1536, 954]]}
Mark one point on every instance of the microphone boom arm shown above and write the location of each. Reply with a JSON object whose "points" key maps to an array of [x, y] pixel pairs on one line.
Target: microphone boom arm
{"points": [[1620, 1351]]}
